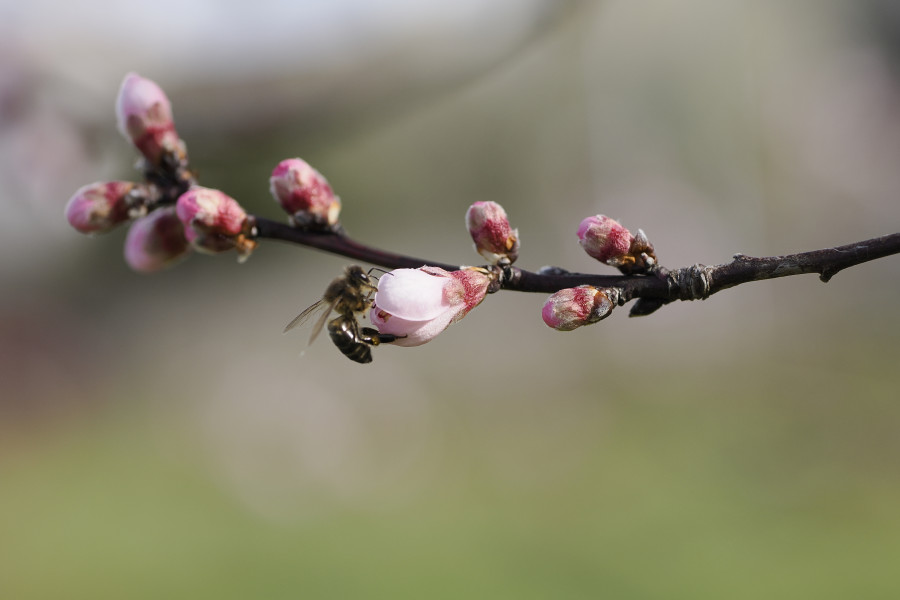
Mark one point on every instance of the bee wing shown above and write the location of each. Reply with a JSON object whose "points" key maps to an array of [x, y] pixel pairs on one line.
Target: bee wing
{"points": [[299, 319], [321, 322]]}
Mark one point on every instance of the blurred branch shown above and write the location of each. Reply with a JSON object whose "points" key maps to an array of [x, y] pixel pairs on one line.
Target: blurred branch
{"points": [[369, 89]]}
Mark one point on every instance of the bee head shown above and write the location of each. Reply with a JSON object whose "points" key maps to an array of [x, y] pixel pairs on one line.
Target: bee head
{"points": [[356, 274]]}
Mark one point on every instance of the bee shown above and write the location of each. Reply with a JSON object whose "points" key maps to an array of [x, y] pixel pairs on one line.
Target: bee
{"points": [[348, 296]]}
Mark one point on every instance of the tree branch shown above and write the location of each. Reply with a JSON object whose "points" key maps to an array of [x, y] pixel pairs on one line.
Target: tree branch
{"points": [[656, 288], [338, 242]]}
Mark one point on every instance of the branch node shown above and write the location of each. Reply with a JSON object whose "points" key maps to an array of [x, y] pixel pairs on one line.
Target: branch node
{"points": [[498, 274], [692, 283]]}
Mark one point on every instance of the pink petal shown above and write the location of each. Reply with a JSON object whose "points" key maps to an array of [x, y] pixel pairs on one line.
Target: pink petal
{"points": [[412, 294], [415, 333]]}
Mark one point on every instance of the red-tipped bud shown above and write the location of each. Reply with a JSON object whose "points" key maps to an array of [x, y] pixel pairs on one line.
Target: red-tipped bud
{"points": [[156, 241], [489, 227], [144, 117], [605, 239], [571, 308], [214, 221], [99, 207], [418, 304], [304, 194]]}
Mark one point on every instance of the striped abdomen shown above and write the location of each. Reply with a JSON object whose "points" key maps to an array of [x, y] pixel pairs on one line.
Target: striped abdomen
{"points": [[344, 333]]}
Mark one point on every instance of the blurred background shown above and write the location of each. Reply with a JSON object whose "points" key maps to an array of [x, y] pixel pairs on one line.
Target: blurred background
{"points": [[160, 438]]}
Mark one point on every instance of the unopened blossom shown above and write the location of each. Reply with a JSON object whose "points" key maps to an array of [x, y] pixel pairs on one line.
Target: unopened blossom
{"points": [[571, 308], [489, 227], [304, 194], [99, 207], [418, 304], [156, 241], [605, 239], [213, 221], [144, 116]]}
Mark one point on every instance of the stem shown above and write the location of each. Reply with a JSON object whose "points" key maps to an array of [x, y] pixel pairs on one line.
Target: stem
{"points": [[662, 285], [826, 263], [337, 242]]}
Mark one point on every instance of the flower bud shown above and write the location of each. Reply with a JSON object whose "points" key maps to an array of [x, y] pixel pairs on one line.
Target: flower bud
{"points": [[99, 207], [304, 194], [571, 308], [213, 221], [605, 239], [489, 227], [144, 116], [156, 241], [418, 304]]}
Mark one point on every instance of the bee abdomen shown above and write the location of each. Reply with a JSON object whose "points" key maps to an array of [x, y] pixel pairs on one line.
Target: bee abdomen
{"points": [[345, 335]]}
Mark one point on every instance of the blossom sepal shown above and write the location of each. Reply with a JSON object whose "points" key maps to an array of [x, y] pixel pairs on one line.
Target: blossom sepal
{"points": [[494, 238], [572, 308], [417, 304], [305, 195], [643, 254], [214, 222]]}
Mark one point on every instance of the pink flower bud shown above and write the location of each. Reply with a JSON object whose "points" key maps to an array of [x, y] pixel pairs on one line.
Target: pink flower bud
{"points": [[213, 221], [418, 304], [489, 227], [99, 207], [304, 194], [571, 308], [156, 241], [144, 116], [605, 239]]}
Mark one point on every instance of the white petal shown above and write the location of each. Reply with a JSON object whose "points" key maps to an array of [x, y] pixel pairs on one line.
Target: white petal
{"points": [[414, 333], [411, 294]]}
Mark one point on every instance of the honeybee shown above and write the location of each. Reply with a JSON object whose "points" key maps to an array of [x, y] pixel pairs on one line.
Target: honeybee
{"points": [[348, 296]]}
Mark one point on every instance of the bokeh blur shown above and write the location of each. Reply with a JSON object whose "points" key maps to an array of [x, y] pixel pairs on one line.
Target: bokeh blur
{"points": [[159, 438]]}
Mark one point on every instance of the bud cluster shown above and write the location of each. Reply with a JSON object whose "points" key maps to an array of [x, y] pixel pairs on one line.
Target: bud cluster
{"points": [[156, 238], [170, 215], [608, 241], [202, 219]]}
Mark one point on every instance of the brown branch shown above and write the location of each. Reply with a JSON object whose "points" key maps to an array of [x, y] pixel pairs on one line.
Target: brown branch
{"points": [[337, 242], [826, 263], [653, 289]]}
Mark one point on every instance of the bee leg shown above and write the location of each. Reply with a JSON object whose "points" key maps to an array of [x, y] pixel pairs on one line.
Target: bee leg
{"points": [[373, 337]]}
